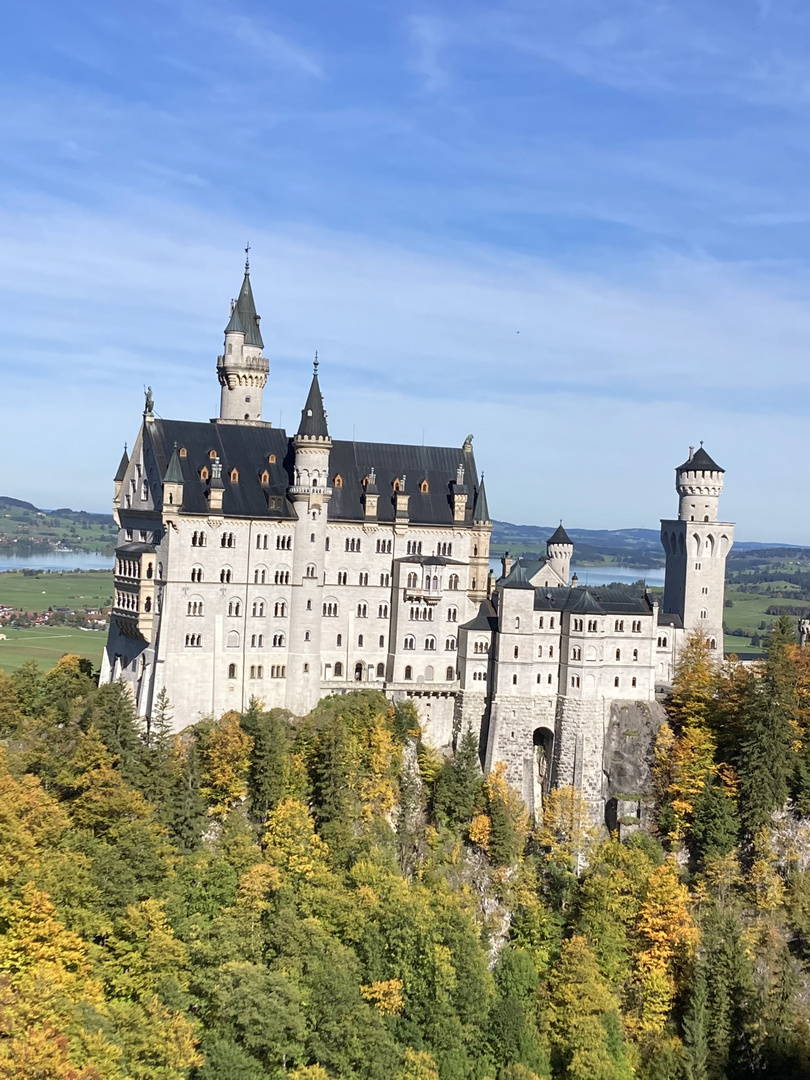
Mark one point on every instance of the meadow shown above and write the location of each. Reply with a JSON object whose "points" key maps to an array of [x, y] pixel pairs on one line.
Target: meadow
{"points": [[78, 590], [46, 644]]}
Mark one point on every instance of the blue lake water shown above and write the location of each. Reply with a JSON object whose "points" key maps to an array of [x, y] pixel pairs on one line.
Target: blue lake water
{"points": [[57, 560], [602, 575]]}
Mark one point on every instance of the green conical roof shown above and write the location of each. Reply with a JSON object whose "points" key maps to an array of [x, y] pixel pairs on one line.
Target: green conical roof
{"points": [[244, 319], [174, 471], [122, 467], [481, 510], [313, 417]]}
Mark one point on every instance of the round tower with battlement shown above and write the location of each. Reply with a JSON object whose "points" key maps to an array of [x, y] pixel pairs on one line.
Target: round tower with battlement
{"points": [[242, 369]]}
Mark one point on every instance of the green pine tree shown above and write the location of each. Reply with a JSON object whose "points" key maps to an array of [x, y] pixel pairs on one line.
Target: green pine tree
{"points": [[715, 826], [459, 785], [695, 1027]]}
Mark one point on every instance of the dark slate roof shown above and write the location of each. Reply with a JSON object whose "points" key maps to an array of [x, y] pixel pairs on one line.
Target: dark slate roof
{"points": [[247, 448], [486, 618], [481, 510], [587, 604], [517, 578], [670, 619], [243, 317], [700, 460], [353, 461], [613, 601], [123, 466], [560, 536], [135, 549], [430, 560], [174, 474], [313, 417]]}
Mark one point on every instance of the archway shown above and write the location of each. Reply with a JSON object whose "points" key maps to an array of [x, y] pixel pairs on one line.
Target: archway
{"points": [[543, 741], [358, 671]]}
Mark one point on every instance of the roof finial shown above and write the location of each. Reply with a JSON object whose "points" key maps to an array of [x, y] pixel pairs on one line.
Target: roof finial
{"points": [[701, 442], [315, 364], [247, 257]]}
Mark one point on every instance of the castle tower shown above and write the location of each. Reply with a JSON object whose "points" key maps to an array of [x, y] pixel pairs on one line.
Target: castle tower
{"points": [[242, 370], [559, 550], [696, 547], [310, 494], [479, 544]]}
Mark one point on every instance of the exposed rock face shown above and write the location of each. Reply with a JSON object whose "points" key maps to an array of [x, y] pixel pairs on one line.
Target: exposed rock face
{"points": [[628, 761]]}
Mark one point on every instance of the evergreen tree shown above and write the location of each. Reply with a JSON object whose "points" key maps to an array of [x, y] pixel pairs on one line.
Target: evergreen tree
{"points": [[695, 1027], [459, 785], [268, 759], [715, 826], [112, 713], [765, 760]]}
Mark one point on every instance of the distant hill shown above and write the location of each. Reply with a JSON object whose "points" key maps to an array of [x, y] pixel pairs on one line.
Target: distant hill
{"points": [[25, 528], [621, 547]]}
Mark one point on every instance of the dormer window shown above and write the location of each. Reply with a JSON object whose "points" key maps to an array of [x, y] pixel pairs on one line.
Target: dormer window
{"points": [[234, 476], [183, 452], [271, 459], [204, 473], [338, 481], [397, 485], [212, 454], [424, 487], [265, 477]]}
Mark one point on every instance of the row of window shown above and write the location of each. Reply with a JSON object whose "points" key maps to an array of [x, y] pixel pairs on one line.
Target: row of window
{"points": [[575, 681], [145, 536], [578, 626], [409, 644], [284, 542]]}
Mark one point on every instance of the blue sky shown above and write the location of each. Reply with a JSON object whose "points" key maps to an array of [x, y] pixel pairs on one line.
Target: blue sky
{"points": [[578, 230]]}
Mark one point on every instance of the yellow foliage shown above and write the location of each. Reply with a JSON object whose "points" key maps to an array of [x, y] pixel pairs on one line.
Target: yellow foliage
{"points": [[666, 927], [691, 761], [157, 1042], [385, 995], [378, 792], [30, 819], [309, 1072], [430, 762], [480, 828], [567, 828], [226, 764], [764, 880], [255, 884], [145, 952], [418, 1065], [291, 843]]}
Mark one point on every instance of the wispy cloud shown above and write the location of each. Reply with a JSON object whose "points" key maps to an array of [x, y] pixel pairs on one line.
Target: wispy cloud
{"points": [[427, 34]]}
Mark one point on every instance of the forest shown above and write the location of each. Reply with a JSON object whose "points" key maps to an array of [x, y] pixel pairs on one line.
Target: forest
{"points": [[264, 897]]}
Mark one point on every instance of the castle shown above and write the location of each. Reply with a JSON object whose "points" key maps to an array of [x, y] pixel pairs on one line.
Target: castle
{"points": [[251, 563]]}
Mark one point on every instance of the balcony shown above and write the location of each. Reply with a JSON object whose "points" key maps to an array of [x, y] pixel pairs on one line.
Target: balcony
{"points": [[416, 592]]}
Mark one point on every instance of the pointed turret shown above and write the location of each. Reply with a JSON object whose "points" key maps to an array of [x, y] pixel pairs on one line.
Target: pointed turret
{"points": [[173, 484], [242, 370], [481, 510], [122, 467], [559, 549], [313, 415]]}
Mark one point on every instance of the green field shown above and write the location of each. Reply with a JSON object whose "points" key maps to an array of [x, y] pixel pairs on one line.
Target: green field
{"points": [[78, 590], [46, 644]]}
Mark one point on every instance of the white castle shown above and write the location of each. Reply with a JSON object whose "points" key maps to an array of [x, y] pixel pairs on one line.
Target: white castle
{"points": [[255, 564]]}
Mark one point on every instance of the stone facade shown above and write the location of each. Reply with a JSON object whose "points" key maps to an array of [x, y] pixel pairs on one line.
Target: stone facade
{"points": [[251, 564]]}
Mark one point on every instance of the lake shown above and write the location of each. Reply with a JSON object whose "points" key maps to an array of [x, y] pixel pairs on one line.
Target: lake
{"points": [[57, 560], [601, 575]]}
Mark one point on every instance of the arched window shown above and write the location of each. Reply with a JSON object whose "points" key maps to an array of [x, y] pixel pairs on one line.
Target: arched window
{"points": [[539, 651], [234, 476], [330, 609], [636, 626], [231, 671], [618, 626], [408, 673], [280, 609], [282, 577], [362, 610], [226, 575], [279, 641], [382, 641], [338, 670], [517, 622], [411, 581], [233, 639], [450, 674], [307, 636], [633, 682], [450, 645], [453, 582], [228, 540], [195, 606], [704, 613], [616, 681], [385, 580], [311, 570], [452, 614], [382, 611], [258, 609], [342, 578], [713, 643], [618, 654], [234, 607], [516, 652], [424, 487], [635, 656], [196, 573], [409, 642], [430, 644], [576, 653], [380, 671], [577, 626], [358, 671], [359, 641], [147, 604], [363, 578]]}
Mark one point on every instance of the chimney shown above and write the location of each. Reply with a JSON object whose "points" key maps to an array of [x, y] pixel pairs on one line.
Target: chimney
{"points": [[506, 563]]}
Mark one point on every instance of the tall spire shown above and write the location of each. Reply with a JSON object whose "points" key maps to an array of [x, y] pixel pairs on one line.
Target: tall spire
{"points": [[481, 510], [122, 467], [313, 415], [244, 319], [174, 471]]}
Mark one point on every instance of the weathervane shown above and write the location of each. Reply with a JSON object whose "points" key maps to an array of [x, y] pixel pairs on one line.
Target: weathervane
{"points": [[247, 257], [315, 365]]}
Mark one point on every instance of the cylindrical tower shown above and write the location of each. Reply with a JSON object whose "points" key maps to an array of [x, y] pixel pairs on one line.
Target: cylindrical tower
{"points": [[242, 370], [699, 483]]}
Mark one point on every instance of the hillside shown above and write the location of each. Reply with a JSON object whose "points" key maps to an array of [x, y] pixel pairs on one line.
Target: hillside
{"points": [[25, 529]]}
